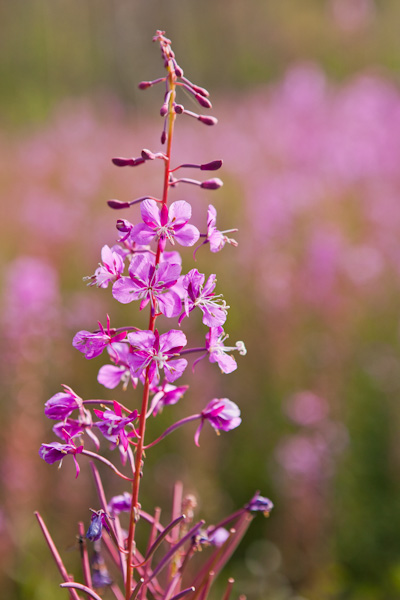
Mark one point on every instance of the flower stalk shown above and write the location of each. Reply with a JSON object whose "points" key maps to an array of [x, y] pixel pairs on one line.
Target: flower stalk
{"points": [[154, 360]]}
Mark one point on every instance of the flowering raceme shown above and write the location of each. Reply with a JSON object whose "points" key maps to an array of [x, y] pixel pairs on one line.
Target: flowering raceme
{"points": [[154, 360]]}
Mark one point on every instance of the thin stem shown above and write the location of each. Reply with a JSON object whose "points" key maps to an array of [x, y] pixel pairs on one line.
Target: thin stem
{"points": [[165, 560], [172, 428], [56, 556], [152, 537], [106, 462], [84, 555], [80, 586]]}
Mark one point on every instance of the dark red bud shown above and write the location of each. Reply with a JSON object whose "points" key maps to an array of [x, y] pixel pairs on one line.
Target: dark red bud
{"points": [[214, 165], [163, 110], [200, 90], [178, 70], [178, 108], [212, 184], [207, 120], [127, 162], [163, 137], [143, 85], [203, 101], [117, 204]]}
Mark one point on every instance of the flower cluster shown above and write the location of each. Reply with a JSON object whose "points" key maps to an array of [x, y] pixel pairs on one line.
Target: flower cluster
{"points": [[144, 265]]}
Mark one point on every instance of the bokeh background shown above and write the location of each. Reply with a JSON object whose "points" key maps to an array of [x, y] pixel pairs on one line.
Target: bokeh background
{"points": [[308, 100]]}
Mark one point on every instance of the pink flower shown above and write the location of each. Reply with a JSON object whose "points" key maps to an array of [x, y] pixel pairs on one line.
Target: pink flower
{"points": [[217, 238], [165, 394], [61, 405], [110, 270], [156, 351], [55, 451], [112, 425], [93, 344], [217, 351], [221, 413], [112, 375], [150, 283], [214, 309], [168, 224]]}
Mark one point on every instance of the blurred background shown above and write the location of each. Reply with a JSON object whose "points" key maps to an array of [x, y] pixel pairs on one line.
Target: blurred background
{"points": [[308, 101]]}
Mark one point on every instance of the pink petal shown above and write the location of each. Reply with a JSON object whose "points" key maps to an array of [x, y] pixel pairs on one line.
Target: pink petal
{"points": [[179, 212], [150, 213]]}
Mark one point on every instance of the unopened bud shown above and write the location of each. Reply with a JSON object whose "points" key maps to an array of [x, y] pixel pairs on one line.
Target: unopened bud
{"points": [[178, 70], [163, 110], [214, 165], [117, 204], [178, 108], [163, 137], [200, 90], [127, 162], [212, 184], [207, 120], [143, 85], [203, 101]]}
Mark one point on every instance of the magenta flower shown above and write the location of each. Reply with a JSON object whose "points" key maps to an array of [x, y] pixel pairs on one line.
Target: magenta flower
{"points": [[61, 405], [110, 270], [216, 238], [68, 429], [93, 344], [166, 224], [164, 395], [55, 451], [112, 425], [221, 413], [150, 283], [112, 375], [120, 503], [217, 351], [214, 309], [157, 352]]}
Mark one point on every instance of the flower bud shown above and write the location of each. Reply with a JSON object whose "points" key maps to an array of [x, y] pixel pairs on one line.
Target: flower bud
{"points": [[207, 120], [117, 204], [127, 162], [214, 165], [203, 101], [212, 184], [200, 90]]}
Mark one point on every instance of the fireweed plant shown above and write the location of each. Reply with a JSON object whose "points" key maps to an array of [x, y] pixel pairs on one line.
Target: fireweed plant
{"points": [[152, 361]]}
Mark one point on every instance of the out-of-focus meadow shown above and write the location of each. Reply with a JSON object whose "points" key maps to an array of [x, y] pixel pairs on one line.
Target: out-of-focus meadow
{"points": [[308, 100]]}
